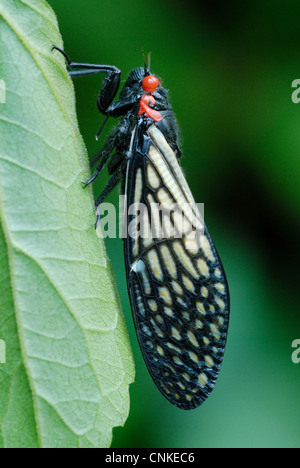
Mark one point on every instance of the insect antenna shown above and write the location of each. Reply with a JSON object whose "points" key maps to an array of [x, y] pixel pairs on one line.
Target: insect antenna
{"points": [[147, 72], [149, 60]]}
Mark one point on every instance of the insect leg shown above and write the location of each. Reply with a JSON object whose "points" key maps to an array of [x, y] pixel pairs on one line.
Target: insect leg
{"points": [[115, 162], [103, 155], [111, 184], [97, 158], [87, 68], [112, 80]]}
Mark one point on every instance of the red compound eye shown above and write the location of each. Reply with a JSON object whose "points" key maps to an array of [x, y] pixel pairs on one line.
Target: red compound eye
{"points": [[150, 84]]}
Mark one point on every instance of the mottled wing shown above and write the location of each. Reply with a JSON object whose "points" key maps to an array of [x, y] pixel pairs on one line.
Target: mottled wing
{"points": [[177, 286]]}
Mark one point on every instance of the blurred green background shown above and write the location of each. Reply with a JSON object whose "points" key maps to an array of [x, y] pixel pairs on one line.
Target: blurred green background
{"points": [[229, 67]]}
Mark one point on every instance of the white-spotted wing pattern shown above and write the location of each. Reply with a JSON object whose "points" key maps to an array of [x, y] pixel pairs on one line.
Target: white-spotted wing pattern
{"points": [[177, 285]]}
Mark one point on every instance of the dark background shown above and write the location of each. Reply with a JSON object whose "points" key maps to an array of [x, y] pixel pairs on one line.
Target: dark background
{"points": [[229, 67]]}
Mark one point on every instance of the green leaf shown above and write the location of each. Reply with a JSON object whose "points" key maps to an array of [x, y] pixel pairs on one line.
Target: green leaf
{"points": [[68, 358]]}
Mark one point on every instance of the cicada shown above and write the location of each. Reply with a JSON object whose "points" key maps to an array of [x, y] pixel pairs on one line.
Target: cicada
{"points": [[176, 282]]}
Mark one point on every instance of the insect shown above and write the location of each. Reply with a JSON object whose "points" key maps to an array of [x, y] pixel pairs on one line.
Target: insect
{"points": [[176, 283]]}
